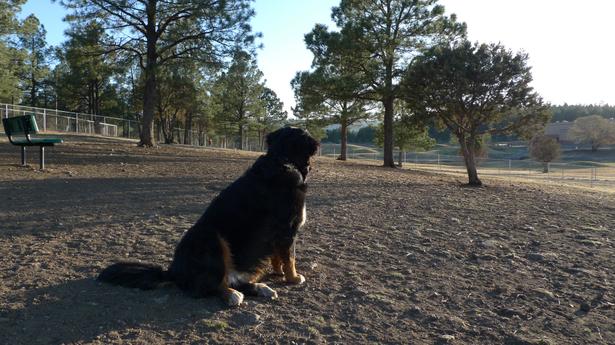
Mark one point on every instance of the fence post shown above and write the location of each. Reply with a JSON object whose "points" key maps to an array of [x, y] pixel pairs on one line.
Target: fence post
{"points": [[76, 122], [438, 161], [44, 120]]}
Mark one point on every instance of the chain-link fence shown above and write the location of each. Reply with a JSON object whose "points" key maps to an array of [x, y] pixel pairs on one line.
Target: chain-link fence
{"points": [[65, 121], [586, 173], [53, 120]]}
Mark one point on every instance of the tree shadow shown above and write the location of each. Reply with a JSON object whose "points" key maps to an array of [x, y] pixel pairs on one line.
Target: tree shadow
{"points": [[62, 204], [80, 310]]}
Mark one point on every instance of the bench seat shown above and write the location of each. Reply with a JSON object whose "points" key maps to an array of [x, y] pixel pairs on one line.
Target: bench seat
{"points": [[20, 129], [37, 141]]}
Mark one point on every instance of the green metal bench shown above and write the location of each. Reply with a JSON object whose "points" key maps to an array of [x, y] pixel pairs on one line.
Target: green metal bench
{"points": [[20, 129]]}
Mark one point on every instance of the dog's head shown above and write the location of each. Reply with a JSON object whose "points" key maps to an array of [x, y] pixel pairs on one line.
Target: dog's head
{"points": [[294, 145]]}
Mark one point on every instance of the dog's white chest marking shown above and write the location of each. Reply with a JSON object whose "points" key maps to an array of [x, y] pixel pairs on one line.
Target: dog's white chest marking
{"points": [[303, 216]]}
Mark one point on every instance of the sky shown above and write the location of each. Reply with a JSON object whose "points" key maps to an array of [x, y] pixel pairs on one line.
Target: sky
{"points": [[570, 43]]}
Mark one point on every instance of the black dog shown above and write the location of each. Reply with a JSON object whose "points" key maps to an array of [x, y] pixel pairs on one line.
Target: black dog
{"points": [[251, 223]]}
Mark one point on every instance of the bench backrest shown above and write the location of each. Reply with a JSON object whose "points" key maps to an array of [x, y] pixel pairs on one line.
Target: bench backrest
{"points": [[20, 125]]}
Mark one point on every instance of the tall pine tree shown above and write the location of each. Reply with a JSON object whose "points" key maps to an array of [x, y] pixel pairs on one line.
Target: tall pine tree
{"points": [[156, 32]]}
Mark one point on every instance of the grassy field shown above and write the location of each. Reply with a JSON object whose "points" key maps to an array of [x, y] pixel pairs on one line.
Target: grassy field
{"points": [[576, 167]]}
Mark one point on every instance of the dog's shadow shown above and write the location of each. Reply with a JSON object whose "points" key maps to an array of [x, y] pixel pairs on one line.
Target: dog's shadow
{"points": [[81, 310]]}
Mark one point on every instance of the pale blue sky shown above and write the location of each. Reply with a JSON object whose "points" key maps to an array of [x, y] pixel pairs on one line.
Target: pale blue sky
{"points": [[570, 43]]}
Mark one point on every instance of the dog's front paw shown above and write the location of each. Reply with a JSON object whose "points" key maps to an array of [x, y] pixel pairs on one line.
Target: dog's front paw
{"points": [[298, 279], [234, 298], [265, 291]]}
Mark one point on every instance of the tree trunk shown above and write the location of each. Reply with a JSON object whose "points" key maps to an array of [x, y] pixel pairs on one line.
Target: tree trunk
{"points": [[261, 139], [89, 97], [400, 157], [33, 79], [199, 128], [97, 97], [96, 104], [343, 139], [170, 138], [241, 136], [388, 131], [470, 161], [388, 100], [545, 167], [149, 96], [188, 129], [33, 92], [167, 130]]}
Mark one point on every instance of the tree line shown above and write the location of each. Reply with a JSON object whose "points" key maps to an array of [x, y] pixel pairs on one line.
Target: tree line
{"points": [[164, 64], [571, 112], [364, 135]]}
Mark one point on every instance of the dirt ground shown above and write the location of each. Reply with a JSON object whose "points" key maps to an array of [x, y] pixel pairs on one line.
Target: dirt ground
{"points": [[390, 256]]}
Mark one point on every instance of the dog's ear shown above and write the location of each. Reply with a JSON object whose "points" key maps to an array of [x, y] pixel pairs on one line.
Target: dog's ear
{"points": [[309, 145], [273, 137]]}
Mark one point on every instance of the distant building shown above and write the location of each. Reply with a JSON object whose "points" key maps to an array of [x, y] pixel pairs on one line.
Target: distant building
{"points": [[559, 130]]}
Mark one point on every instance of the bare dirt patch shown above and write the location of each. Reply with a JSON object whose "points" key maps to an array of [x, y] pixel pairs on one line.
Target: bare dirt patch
{"points": [[390, 256]]}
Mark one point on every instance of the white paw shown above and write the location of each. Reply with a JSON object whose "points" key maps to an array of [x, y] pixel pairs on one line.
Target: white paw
{"points": [[235, 298], [266, 291], [299, 279]]}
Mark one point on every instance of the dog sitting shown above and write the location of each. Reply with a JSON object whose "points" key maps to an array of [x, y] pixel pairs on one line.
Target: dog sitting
{"points": [[250, 224]]}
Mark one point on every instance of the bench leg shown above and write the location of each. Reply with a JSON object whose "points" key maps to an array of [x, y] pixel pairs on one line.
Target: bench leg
{"points": [[23, 156], [42, 157]]}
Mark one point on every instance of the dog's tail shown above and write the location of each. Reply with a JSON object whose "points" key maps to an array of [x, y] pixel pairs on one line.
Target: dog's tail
{"points": [[134, 275]]}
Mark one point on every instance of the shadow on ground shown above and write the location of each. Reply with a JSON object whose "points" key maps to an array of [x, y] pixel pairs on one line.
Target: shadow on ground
{"points": [[80, 310]]}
